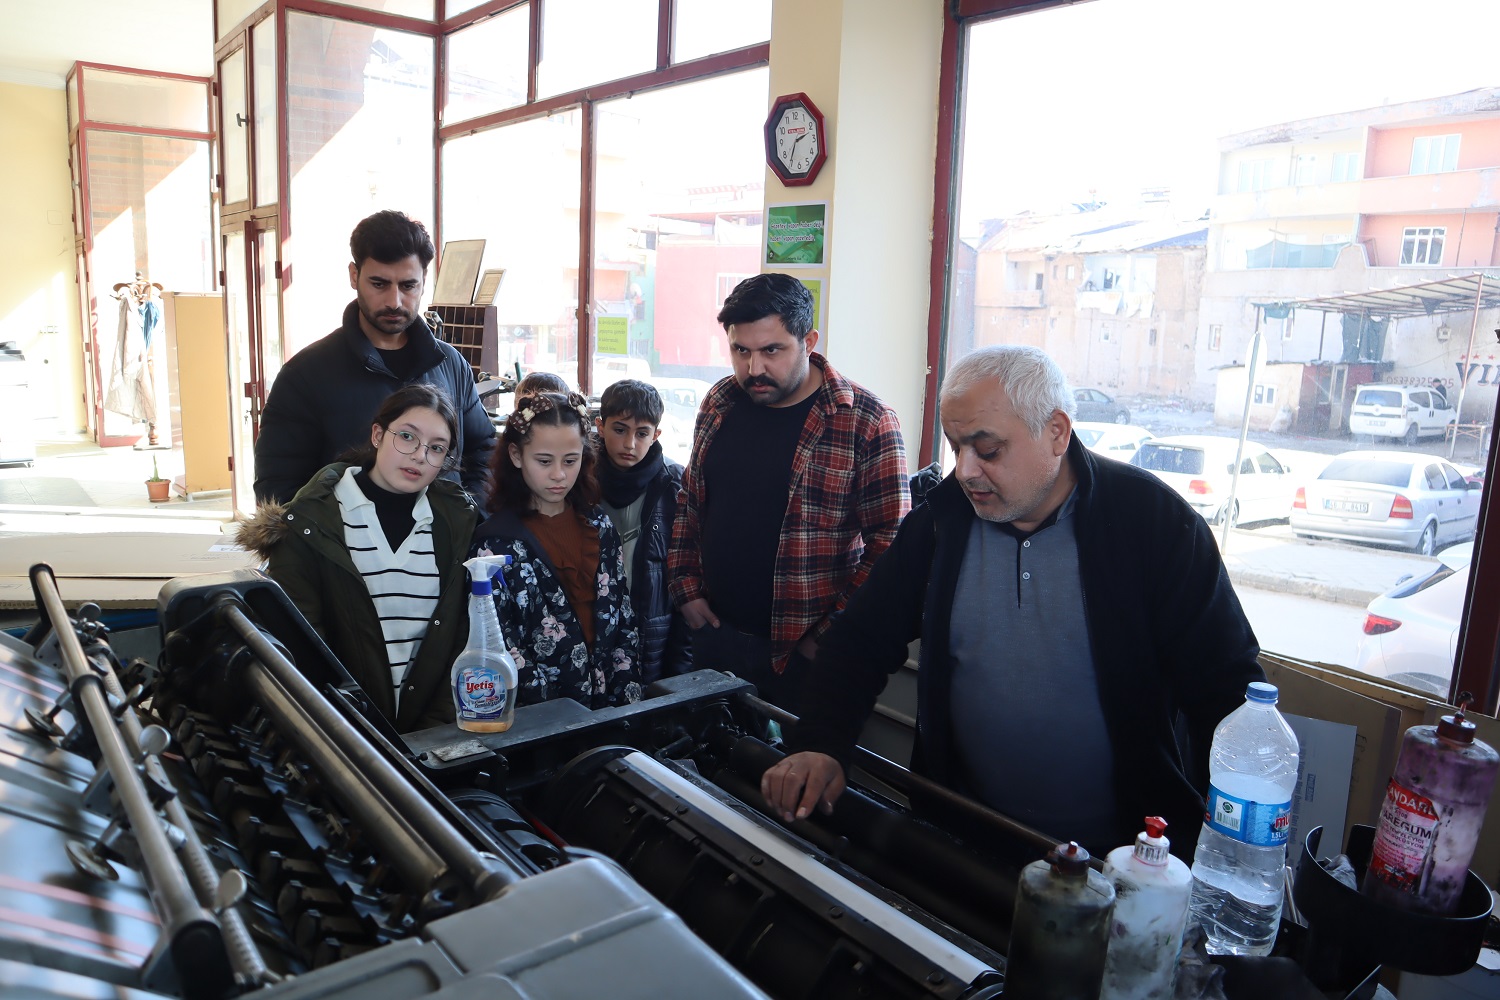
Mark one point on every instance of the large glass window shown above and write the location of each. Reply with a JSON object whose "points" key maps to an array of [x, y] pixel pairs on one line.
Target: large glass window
{"points": [[360, 134], [487, 65], [676, 225], [591, 41], [707, 26], [1180, 250], [517, 187]]}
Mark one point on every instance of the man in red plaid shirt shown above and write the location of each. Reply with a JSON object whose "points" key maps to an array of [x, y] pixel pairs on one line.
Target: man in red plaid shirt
{"points": [[797, 482]]}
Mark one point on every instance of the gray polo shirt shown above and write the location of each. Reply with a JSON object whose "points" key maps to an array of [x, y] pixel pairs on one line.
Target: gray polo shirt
{"points": [[1027, 720]]}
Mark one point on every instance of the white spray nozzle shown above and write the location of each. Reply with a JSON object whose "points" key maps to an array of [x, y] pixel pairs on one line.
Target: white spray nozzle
{"points": [[483, 570]]}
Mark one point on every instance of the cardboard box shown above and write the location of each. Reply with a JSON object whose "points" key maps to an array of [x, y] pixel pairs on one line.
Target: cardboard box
{"points": [[1377, 727]]}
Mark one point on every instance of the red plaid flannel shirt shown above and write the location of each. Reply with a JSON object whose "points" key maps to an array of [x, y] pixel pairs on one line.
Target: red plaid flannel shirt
{"points": [[849, 493]]}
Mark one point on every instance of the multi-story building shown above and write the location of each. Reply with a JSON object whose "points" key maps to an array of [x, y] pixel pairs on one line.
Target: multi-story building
{"points": [[1112, 294], [1380, 198]]}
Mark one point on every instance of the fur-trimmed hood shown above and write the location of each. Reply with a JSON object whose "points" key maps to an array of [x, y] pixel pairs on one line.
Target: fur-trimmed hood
{"points": [[265, 529]]}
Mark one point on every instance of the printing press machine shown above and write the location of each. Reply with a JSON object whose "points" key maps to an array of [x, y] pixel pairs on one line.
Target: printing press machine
{"points": [[236, 819]]}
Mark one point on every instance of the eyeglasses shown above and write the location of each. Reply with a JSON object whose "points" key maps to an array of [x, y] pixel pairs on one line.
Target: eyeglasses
{"points": [[439, 455]]}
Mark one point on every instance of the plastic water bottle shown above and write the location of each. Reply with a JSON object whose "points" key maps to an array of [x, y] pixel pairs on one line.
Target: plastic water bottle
{"points": [[1238, 869]]}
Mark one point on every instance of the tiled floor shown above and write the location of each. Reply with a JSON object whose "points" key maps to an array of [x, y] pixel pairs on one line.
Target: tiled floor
{"points": [[80, 474]]}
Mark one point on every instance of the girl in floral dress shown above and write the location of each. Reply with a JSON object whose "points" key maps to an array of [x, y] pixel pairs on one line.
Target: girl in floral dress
{"points": [[563, 606]]}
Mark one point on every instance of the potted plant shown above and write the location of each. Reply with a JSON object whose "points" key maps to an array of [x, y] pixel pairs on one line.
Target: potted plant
{"points": [[158, 489]]}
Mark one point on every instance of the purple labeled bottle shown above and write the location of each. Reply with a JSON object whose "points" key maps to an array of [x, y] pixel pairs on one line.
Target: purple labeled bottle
{"points": [[1429, 823]]}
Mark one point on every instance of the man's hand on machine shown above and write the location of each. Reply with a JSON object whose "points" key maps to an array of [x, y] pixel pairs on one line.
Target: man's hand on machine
{"points": [[802, 782]]}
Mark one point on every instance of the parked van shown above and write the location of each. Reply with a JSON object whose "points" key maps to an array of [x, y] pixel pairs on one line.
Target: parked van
{"points": [[1404, 412]]}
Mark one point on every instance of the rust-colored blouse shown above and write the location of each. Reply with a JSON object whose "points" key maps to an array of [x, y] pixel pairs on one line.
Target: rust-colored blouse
{"points": [[573, 547]]}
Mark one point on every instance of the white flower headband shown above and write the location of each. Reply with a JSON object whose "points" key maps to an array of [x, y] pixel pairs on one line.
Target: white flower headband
{"points": [[520, 420]]}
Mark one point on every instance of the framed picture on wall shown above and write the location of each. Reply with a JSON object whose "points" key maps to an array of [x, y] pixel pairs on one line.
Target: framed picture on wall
{"points": [[489, 287], [457, 272]]}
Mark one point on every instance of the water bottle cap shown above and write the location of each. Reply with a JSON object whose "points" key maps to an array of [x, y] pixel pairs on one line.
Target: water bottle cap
{"points": [[1069, 860], [1262, 692]]}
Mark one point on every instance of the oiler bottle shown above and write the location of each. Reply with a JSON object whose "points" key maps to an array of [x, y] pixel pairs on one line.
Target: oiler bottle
{"points": [[484, 675], [1430, 820], [1060, 933], [1151, 909]]}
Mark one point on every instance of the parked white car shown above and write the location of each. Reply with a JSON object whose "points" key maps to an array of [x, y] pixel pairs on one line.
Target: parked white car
{"points": [[1111, 440], [1400, 412], [1201, 469], [1388, 498], [1411, 631]]}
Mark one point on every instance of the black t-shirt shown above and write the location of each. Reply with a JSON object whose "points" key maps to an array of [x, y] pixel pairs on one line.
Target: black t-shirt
{"points": [[393, 509], [401, 361], [747, 473]]}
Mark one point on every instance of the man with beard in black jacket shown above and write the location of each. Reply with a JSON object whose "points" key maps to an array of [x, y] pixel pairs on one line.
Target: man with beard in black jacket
{"points": [[326, 395]]}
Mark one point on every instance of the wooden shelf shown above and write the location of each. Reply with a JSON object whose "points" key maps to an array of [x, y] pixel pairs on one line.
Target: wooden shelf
{"points": [[472, 330]]}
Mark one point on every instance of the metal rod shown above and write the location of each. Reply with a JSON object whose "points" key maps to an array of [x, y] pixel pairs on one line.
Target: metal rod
{"points": [[1239, 452], [487, 877], [1463, 374], [173, 896], [906, 782], [244, 957], [414, 861]]}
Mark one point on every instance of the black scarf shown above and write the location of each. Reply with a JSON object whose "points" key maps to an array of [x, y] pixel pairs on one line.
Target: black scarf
{"points": [[620, 486]]}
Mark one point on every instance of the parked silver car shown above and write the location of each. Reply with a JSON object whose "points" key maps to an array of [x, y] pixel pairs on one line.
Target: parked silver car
{"points": [[1091, 404], [1389, 498]]}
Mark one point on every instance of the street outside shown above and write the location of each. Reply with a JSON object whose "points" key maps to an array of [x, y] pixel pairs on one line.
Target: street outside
{"points": [[1305, 598]]}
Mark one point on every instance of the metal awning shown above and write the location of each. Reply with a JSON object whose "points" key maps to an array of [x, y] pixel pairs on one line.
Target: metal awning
{"points": [[1453, 294]]}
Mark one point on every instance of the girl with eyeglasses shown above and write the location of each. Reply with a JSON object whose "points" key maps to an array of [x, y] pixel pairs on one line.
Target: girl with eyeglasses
{"points": [[563, 609], [371, 551]]}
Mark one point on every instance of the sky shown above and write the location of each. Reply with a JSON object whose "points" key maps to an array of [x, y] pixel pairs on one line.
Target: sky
{"points": [[1116, 95]]}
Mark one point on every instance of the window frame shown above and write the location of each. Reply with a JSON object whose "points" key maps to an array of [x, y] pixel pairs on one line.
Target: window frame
{"points": [[1479, 638], [1434, 235], [1448, 144]]}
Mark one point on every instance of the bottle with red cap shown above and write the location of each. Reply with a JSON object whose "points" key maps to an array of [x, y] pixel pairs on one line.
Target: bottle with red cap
{"points": [[1429, 823], [1152, 890], [1060, 932]]}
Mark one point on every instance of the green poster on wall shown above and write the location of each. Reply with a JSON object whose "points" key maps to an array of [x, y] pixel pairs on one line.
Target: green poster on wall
{"points": [[795, 234], [815, 285], [612, 335]]}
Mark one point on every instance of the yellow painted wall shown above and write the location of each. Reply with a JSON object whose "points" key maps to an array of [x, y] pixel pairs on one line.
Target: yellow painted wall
{"points": [[38, 291], [871, 67]]}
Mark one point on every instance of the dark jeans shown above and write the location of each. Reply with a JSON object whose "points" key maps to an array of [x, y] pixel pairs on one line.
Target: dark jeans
{"points": [[749, 656]]}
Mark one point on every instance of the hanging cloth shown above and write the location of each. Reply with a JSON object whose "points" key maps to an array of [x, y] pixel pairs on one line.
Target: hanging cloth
{"points": [[131, 393]]}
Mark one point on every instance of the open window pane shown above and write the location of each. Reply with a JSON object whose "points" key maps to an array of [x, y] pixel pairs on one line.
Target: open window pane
{"points": [[517, 188], [591, 41], [360, 129], [1169, 233], [487, 66]]}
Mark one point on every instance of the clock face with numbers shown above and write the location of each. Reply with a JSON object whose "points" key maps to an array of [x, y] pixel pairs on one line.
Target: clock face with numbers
{"points": [[796, 140]]}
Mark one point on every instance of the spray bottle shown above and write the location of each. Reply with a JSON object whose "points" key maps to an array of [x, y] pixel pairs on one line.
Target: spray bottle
{"points": [[484, 675]]}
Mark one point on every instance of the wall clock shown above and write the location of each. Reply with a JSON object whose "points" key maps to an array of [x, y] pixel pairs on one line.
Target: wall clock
{"points": [[796, 139]]}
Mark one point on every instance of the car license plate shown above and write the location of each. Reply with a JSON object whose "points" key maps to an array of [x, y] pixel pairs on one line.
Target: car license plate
{"points": [[1347, 506], [1377, 421]]}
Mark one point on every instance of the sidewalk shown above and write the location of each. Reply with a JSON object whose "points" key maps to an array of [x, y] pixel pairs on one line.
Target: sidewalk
{"points": [[1322, 570]]}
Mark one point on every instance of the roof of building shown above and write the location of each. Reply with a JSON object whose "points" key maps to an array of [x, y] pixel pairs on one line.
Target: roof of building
{"points": [[1091, 232], [1455, 293], [1483, 102]]}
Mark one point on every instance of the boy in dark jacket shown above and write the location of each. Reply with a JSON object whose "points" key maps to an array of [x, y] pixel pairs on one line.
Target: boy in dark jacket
{"points": [[640, 487]]}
